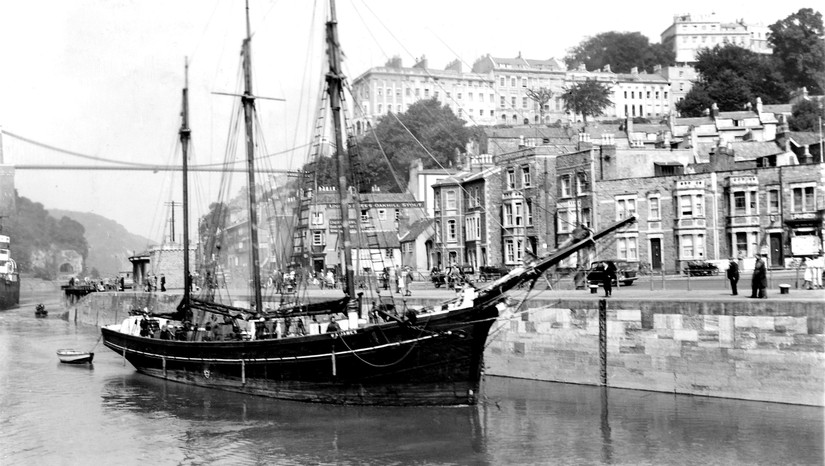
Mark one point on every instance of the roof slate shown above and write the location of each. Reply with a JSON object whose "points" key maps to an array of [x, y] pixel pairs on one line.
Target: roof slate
{"points": [[418, 227]]}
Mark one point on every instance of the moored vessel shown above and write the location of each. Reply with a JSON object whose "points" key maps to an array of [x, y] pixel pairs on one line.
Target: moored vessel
{"points": [[297, 351]]}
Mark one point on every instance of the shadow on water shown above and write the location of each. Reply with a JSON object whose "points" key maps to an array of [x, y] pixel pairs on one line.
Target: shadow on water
{"points": [[223, 426]]}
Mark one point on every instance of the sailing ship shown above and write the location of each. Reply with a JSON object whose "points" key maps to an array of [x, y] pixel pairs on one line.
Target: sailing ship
{"points": [[430, 357]]}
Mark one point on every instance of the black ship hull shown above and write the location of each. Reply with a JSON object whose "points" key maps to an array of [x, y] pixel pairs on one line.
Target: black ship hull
{"points": [[438, 361], [9, 292]]}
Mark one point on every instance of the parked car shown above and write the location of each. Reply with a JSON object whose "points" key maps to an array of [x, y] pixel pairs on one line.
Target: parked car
{"points": [[695, 268], [626, 272], [491, 272]]}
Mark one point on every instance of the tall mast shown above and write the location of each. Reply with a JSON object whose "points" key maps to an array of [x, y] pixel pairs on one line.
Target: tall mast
{"points": [[249, 113], [335, 88], [185, 134]]}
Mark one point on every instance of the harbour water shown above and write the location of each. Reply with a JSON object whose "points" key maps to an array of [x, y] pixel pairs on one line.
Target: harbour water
{"points": [[52, 413]]}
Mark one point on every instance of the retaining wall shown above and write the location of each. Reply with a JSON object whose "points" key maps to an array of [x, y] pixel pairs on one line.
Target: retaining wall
{"points": [[748, 350]]}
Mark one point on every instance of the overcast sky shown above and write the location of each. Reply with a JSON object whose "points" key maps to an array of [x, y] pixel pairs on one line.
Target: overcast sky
{"points": [[103, 78]]}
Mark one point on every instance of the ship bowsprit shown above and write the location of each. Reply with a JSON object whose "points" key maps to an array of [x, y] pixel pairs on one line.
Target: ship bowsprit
{"points": [[436, 362]]}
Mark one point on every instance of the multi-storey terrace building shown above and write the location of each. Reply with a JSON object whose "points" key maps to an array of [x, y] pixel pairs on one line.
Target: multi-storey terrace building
{"points": [[393, 88], [373, 229], [634, 94], [496, 91], [694, 202], [690, 33], [513, 77]]}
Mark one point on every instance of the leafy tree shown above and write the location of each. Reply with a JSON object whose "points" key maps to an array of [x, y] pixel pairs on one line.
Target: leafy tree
{"points": [[426, 123], [621, 50], [70, 233], [806, 116], [695, 102], [540, 96], [732, 76], [210, 223], [588, 97], [799, 47]]}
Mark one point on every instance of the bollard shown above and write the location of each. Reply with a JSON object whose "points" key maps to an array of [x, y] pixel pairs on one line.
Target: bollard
{"points": [[688, 279], [663, 279]]}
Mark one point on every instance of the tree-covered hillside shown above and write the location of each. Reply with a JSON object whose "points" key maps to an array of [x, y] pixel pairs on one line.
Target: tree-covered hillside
{"points": [[34, 233], [110, 244]]}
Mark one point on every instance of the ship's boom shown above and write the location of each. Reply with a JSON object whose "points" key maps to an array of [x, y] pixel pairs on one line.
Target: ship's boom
{"points": [[534, 270]]}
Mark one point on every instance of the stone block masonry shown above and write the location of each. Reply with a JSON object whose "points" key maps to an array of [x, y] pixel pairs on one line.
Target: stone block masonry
{"points": [[730, 350]]}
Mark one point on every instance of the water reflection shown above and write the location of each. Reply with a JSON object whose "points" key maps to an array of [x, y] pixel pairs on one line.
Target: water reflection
{"points": [[52, 413], [214, 426]]}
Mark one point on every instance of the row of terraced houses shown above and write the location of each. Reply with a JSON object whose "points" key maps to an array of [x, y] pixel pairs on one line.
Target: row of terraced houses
{"points": [[734, 184]]}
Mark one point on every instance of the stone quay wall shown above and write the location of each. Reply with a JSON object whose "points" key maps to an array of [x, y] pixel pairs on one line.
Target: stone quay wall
{"points": [[753, 350], [759, 350]]}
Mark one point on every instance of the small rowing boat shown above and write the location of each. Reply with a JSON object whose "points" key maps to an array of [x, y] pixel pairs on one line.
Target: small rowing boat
{"points": [[71, 356]]}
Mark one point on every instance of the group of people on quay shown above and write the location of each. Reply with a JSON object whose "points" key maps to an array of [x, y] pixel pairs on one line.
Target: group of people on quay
{"points": [[102, 284], [151, 283], [813, 267], [401, 277], [813, 275]]}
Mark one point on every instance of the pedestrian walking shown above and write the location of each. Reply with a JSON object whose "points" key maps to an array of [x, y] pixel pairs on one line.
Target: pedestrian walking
{"points": [[808, 275], [819, 266], [759, 282], [609, 276], [733, 275], [408, 278], [162, 282]]}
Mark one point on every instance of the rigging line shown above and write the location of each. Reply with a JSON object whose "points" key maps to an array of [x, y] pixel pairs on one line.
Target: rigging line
{"points": [[490, 87], [369, 30], [427, 71], [305, 91], [203, 33], [415, 340], [462, 188]]}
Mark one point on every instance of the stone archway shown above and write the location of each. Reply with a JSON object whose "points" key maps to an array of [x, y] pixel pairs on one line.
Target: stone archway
{"points": [[66, 268]]}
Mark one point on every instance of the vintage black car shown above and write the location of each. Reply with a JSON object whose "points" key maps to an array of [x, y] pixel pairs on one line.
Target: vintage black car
{"points": [[626, 272], [699, 268], [491, 272]]}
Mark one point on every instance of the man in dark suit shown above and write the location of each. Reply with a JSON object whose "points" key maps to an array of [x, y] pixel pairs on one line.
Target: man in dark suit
{"points": [[733, 275], [759, 282]]}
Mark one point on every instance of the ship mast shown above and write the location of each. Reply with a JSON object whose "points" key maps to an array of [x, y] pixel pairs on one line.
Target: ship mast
{"points": [[248, 101], [185, 134], [335, 80]]}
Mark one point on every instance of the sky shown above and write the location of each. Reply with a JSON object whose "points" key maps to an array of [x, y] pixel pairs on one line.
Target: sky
{"points": [[104, 77]]}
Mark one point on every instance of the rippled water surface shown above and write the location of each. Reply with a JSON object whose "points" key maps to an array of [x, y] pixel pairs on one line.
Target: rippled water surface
{"points": [[52, 413]]}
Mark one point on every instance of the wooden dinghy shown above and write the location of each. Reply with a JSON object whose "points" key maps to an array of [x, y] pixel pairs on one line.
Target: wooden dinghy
{"points": [[71, 356]]}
